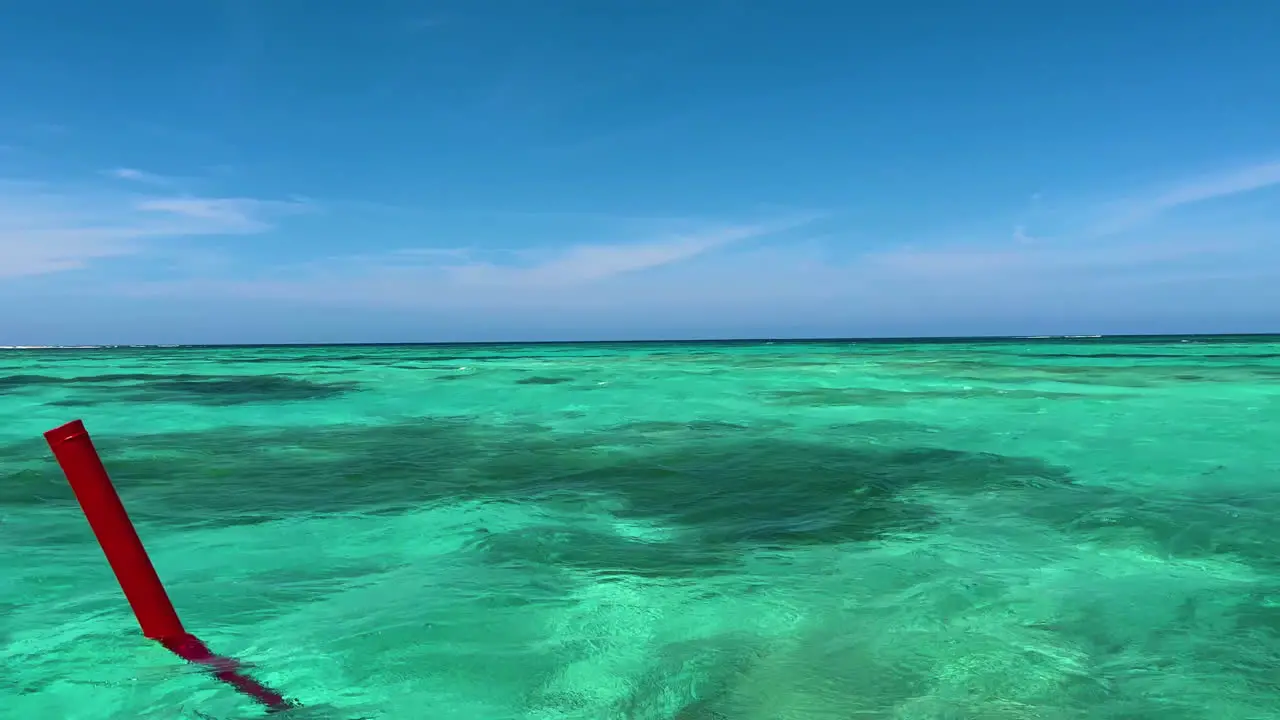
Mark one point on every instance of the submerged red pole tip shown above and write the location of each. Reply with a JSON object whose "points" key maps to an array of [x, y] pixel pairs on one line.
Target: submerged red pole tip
{"points": [[128, 558]]}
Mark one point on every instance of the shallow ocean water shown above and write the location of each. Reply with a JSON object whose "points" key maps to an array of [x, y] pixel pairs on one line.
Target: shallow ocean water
{"points": [[1052, 528]]}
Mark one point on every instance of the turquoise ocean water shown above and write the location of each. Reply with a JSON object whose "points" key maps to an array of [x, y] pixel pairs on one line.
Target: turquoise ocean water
{"points": [[1031, 528]]}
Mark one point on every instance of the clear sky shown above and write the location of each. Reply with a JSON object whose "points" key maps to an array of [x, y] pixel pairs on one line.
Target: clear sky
{"points": [[326, 170]]}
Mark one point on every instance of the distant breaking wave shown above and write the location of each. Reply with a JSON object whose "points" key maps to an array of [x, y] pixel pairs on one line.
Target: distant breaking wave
{"points": [[1054, 337]]}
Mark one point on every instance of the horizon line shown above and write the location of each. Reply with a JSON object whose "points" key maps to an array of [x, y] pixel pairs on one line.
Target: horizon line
{"points": [[888, 339]]}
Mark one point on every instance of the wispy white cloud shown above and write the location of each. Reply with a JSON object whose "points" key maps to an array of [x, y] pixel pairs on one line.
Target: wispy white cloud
{"points": [[1020, 235], [46, 229], [792, 283], [582, 264], [979, 264], [716, 265], [1125, 241], [1189, 191], [229, 215], [565, 276], [718, 269], [138, 176], [1241, 180]]}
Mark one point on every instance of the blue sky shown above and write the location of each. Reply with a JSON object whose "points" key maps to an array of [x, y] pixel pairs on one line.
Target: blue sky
{"points": [[294, 171]]}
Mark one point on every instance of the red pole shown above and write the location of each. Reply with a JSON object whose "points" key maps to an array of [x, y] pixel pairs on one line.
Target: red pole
{"points": [[101, 504], [106, 514]]}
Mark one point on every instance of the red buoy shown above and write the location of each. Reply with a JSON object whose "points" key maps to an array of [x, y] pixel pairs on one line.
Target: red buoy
{"points": [[119, 540]]}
